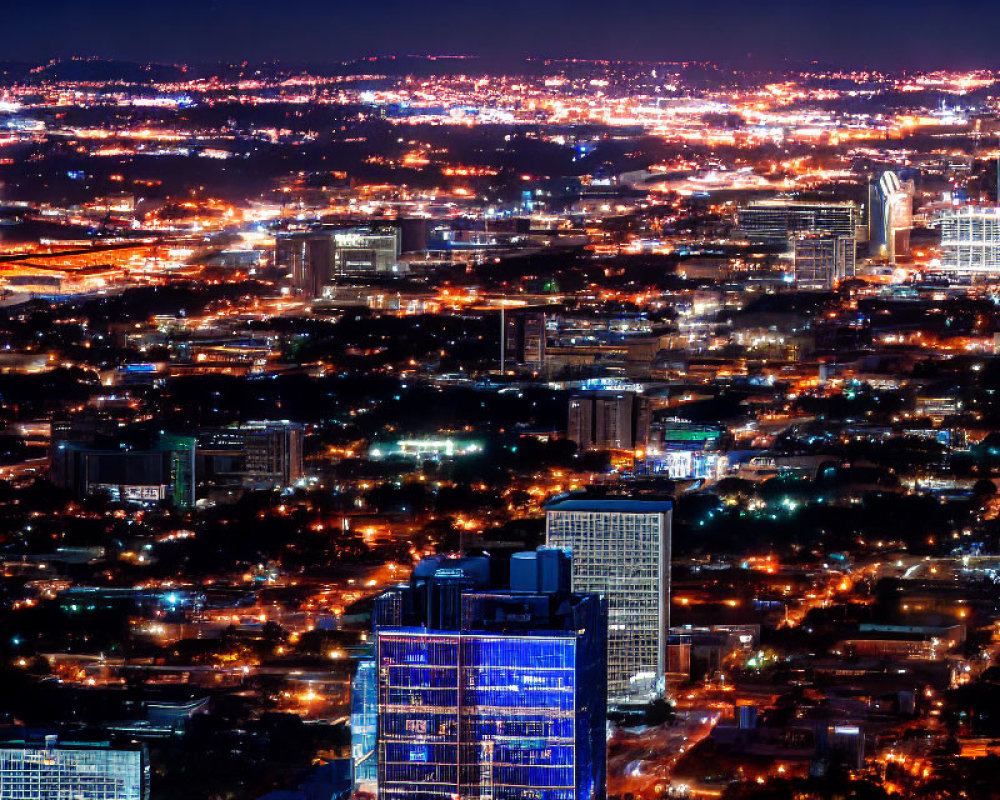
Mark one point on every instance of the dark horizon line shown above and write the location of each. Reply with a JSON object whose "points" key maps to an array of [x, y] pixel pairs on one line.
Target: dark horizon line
{"points": [[755, 61]]}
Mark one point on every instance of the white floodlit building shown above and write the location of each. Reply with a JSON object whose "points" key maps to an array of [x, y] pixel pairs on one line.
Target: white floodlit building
{"points": [[970, 240], [621, 550]]}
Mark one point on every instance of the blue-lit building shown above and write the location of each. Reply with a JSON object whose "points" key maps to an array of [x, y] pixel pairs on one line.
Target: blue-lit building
{"points": [[490, 693], [364, 727]]}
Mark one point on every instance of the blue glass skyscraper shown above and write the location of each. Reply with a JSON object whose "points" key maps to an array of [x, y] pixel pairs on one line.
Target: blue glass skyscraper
{"points": [[491, 694], [364, 722]]}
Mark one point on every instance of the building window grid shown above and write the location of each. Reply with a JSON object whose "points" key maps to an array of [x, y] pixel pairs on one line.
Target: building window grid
{"points": [[78, 774], [516, 693], [970, 240], [619, 556]]}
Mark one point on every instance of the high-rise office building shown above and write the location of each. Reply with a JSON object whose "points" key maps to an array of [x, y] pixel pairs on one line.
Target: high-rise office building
{"points": [[608, 420], [260, 453], [970, 240], [140, 470], [822, 260], [315, 258], [88, 771], [489, 693], [524, 338], [621, 550], [890, 216], [778, 221], [308, 258]]}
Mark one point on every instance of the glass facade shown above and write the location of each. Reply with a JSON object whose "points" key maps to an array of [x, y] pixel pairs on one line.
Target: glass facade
{"points": [[58, 773], [145, 474], [621, 550], [488, 693], [181, 451], [488, 717], [364, 726], [777, 221]]}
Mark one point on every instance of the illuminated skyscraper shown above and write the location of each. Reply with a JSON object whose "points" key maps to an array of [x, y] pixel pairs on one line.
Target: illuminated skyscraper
{"points": [[621, 550], [681, 450], [890, 216], [486, 693], [364, 727]]}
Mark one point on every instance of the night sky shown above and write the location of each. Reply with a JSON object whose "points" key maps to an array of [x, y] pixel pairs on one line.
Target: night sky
{"points": [[897, 33]]}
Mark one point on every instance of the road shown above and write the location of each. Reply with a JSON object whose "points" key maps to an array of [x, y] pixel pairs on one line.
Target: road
{"points": [[641, 761]]}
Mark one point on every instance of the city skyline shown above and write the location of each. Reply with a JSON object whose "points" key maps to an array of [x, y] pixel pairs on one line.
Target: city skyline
{"points": [[499, 428]]}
